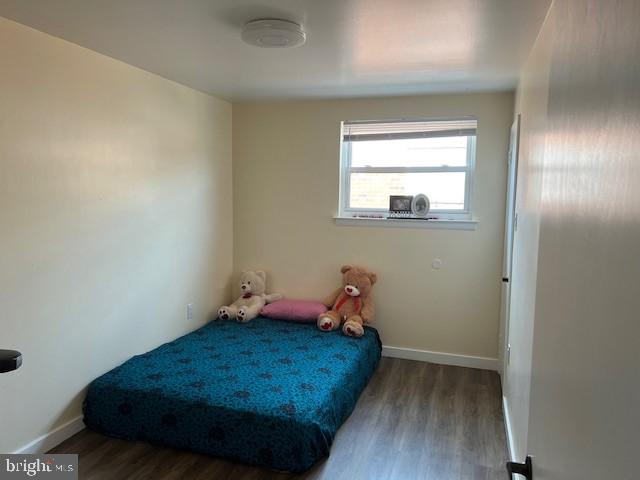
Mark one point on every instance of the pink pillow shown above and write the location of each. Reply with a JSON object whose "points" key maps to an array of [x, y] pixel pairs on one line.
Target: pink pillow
{"points": [[301, 311]]}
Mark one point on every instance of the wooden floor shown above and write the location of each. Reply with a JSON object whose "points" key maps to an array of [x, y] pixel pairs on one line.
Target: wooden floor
{"points": [[415, 420]]}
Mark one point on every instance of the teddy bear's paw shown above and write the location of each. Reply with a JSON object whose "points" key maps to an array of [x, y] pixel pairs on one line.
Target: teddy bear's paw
{"points": [[353, 329], [242, 313], [223, 314], [326, 324]]}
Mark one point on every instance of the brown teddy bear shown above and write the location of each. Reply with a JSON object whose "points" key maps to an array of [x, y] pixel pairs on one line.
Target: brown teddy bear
{"points": [[351, 303]]}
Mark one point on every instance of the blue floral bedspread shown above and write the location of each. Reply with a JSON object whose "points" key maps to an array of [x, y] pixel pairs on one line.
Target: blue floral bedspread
{"points": [[266, 392]]}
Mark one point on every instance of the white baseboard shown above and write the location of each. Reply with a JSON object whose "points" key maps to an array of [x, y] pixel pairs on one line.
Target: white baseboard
{"points": [[55, 437], [507, 427], [484, 363]]}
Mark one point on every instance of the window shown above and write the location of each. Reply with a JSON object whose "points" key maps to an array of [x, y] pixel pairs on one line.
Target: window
{"points": [[434, 157]]}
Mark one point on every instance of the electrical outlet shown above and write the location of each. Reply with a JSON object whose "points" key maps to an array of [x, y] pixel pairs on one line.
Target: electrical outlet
{"points": [[190, 311]]}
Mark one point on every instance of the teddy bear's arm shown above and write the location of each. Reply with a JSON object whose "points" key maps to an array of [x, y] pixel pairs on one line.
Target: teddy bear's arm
{"points": [[272, 297], [331, 299], [368, 310]]}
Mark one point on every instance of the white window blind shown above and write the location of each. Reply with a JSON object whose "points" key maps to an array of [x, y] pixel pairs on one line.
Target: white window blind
{"points": [[368, 131]]}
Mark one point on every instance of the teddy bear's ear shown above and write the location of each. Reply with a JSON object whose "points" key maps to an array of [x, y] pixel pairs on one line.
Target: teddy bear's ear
{"points": [[345, 268], [262, 275], [373, 277]]}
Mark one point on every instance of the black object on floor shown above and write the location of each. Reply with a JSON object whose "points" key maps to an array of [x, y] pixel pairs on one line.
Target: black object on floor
{"points": [[525, 469], [10, 360]]}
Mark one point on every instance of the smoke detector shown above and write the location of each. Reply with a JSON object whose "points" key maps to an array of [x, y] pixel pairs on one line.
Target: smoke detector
{"points": [[273, 33]]}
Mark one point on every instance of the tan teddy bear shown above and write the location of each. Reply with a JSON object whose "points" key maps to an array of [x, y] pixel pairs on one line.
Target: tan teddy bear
{"points": [[253, 298], [351, 303]]}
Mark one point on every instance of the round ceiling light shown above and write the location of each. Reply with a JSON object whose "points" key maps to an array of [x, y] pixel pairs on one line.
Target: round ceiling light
{"points": [[273, 33]]}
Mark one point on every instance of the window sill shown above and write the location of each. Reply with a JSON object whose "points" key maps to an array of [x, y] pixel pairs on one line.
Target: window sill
{"points": [[406, 223]]}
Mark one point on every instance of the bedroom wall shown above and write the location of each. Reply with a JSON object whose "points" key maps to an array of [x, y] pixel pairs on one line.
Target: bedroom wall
{"points": [[583, 421], [286, 167], [115, 210], [531, 104]]}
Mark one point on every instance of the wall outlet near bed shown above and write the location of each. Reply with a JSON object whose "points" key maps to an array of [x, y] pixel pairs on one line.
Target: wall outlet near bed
{"points": [[189, 311]]}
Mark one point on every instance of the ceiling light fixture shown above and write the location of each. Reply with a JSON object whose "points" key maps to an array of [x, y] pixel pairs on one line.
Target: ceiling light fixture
{"points": [[273, 33]]}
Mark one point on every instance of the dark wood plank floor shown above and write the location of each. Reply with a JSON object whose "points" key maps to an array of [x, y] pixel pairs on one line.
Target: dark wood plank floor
{"points": [[415, 420]]}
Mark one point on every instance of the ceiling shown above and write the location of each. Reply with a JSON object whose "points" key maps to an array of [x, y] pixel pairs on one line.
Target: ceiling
{"points": [[354, 47]]}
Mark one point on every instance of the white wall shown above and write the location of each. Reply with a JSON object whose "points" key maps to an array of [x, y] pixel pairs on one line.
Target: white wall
{"points": [[585, 383], [286, 170], [531, 104], [115, 210]]}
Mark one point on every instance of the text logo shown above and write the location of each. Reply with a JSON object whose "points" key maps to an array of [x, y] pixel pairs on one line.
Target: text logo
{"points": [[53, 467]]}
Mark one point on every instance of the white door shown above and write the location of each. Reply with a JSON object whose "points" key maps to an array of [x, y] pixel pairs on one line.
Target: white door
{"points": [[508, 243], [521, 271]]}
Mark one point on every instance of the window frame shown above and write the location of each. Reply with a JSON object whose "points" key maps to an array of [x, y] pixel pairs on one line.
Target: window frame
{"points": [[346, 211]]}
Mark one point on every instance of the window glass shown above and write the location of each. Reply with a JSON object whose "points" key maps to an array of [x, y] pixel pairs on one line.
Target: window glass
{"points": [[446, 190], [414, 152]]}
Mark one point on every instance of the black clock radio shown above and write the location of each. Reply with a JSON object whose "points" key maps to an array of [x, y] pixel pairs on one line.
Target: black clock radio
{"points": [[10, 360]]}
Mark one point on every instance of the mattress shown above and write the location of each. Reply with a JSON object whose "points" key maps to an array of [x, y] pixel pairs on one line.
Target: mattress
{"points": [[266, 392]]}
